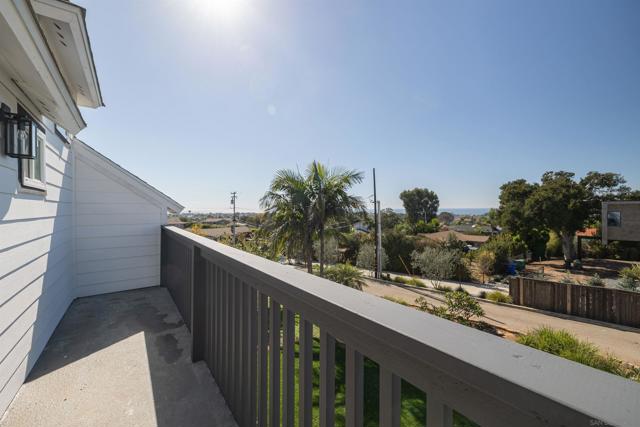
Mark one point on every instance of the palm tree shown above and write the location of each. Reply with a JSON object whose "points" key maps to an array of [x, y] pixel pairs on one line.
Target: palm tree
{"points": [[330, 198], [300, 206], [288, 206]]}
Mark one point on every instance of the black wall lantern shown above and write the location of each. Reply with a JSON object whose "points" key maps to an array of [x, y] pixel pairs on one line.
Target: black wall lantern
{"points": [[18, 133]]}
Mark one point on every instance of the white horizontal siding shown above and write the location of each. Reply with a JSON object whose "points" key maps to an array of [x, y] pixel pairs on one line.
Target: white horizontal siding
{"points": [[36, 261], [117, 230]]}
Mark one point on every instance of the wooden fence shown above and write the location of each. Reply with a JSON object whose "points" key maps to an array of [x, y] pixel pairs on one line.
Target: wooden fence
{"points": [[598, 303]]}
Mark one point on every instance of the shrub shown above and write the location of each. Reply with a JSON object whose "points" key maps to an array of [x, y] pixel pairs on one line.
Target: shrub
{"points": [[504, 246], [564, 344], [554, 245], [595, 280], [415, 282], [632, 272], [345, 274], [482, 294], [398, 246], [367, 257], [497, 296], [629, 284], [486, 262], [459, 307], [437, 264], [443, 288]]}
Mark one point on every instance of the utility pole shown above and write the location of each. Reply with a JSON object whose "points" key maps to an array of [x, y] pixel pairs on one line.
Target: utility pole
{"points": [[233, 219], [379, 243], [375, 217]]}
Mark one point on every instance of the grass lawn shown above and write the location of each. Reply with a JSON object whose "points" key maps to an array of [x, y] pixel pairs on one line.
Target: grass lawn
{"points": [[413, 399]]}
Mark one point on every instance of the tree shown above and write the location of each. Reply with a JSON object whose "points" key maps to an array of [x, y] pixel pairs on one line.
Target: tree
{"points": [[486, 261], [602, 187], [438, 264], [287, 204], [389, 219], [331, 250], [398, 247], [563, 206], [330, 198], [420, 203], [367, 257], [446, 217], [513, 215]]}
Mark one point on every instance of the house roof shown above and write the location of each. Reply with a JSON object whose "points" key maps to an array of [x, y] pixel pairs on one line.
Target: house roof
{"points": [[588, 232], [442, 236], [125, 177]]}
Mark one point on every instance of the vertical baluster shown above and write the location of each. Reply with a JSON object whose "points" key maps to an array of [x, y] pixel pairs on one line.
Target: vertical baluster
{"points": [[233, 338], [354, 387], [327, 378], [225, 333], [288, 369], [253, 349], [217, 356], [240, 340], [389, 399], [274, 364], [305, 376], [263, 331], [438, 414]]}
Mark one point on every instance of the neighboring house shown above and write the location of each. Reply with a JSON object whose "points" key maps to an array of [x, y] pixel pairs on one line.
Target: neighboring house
{"points": [[72, 223], [474, 240], [621, 221]]}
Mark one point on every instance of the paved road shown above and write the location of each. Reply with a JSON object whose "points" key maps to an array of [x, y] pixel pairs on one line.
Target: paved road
{"points": [[623, 342]]}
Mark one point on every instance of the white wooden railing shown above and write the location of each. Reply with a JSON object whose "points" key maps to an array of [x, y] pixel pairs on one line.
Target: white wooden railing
{"points": [[242, 311]]}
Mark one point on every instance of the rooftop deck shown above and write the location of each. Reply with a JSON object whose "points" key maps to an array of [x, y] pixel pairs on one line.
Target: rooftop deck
{"points": [[120, 359]]}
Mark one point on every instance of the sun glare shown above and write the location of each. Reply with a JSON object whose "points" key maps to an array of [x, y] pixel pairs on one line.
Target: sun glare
{"points": [[221, 11]]}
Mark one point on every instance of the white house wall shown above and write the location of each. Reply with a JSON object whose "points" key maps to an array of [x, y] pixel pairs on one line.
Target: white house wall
{"points": [[117, 228], [36, 259]]}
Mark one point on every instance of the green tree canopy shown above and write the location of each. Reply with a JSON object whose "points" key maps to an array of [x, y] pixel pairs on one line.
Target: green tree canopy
{"points": [[420, 203]]}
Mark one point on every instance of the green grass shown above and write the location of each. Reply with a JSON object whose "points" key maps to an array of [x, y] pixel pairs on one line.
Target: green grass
{"points": [[564, 344], [396, 300], [413, 399]]}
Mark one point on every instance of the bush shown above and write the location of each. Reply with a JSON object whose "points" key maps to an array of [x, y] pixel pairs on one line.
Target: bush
{"points": [[482, 294], [504, 246], [345, 274], [437, 264], [632, 272], [595, 280], [629, 284], [398, 246], [497, 296], [442, 288], [564, 344], [367, 257], [486, 261], [459, 307], [554, 245], [567, 280]]}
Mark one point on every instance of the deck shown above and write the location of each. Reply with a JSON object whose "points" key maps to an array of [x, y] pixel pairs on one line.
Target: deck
{"points": [[120, 359]]}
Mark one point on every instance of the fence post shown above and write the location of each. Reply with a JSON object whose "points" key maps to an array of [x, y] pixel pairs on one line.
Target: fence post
{"points": [[521, 290], [569, 287]]}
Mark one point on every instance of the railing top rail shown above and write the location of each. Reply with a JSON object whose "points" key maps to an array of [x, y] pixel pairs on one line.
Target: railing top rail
{"points": [[548, 389]]}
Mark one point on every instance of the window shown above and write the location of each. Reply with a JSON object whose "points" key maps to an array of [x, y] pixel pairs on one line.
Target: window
{"points": [[32, 171], [614, 219]]}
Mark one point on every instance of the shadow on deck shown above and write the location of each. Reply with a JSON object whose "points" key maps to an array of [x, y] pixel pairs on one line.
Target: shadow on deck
{"points": [[120, 359]]}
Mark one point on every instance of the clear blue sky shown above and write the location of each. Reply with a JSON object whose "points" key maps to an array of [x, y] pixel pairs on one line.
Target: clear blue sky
{"points": [[205, 97]]}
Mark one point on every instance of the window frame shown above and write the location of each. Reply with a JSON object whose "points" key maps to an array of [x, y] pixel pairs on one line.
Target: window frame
{"points": [[26, 181], [618, 220]]}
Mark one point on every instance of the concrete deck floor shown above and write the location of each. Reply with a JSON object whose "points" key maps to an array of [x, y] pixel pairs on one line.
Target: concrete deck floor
{"points": [[121, 359]]}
